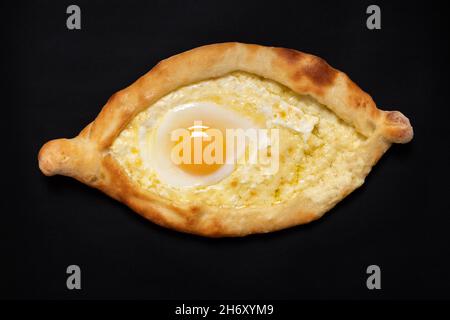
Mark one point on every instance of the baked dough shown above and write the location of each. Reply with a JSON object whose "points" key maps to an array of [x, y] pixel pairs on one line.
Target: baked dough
{"points": [[87, 158]]}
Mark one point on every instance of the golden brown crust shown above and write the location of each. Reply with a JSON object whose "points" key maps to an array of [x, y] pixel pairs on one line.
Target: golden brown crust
{"points": [[86, 156]]}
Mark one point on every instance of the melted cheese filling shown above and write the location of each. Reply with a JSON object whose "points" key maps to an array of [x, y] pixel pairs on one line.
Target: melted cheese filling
{"points": [[315, 147]]}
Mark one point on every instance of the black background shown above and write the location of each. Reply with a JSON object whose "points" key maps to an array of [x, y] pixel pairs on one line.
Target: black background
{"points": [[55, 82]]}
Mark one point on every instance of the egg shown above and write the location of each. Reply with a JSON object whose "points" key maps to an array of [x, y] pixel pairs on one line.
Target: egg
{"points": [[196, 119], [312, 144]]}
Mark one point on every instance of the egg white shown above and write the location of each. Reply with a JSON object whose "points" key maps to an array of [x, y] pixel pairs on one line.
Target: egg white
{"points": [[180, 117]]}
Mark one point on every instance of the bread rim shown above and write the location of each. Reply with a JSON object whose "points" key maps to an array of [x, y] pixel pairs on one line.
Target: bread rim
{"points": [[86, 157]]}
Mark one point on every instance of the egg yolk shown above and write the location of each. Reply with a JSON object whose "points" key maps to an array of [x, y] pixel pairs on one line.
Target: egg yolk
{"points": [[201, 138]]}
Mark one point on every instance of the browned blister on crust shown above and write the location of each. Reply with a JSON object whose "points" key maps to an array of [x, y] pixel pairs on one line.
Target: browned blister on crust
{"points": [[86, 156]]}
